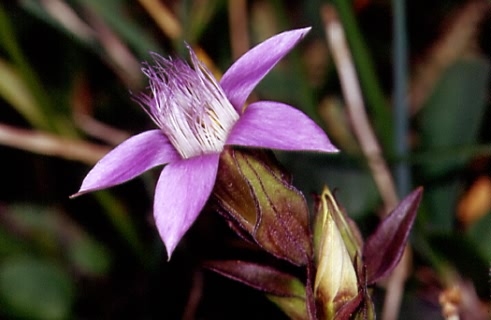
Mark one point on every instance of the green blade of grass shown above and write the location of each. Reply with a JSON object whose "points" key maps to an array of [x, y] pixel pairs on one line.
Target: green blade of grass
{"points": [[372, 90], [9, 43]]}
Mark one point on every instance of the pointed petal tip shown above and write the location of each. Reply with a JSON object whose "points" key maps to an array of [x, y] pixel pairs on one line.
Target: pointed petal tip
{"points": [[169, 248], [331, 149], [242, 76], [327, 148], [300, 31], [75, 195], [182, 191], [304, 30], [80, 192], [296, 34], [275, 125], [83, 191], [170, 239], [131, 158], [414, 198], [383, 249]]}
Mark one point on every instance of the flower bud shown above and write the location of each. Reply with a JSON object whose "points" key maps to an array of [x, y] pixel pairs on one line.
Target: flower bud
{"points": [[336, 281], [263, 206]]}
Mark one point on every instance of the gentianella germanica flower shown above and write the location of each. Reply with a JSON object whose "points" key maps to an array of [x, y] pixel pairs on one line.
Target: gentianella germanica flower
{"points": [[196, 117]]}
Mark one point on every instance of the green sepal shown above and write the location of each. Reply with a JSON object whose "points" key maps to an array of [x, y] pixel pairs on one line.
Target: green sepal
{"points": [[253, 191]]}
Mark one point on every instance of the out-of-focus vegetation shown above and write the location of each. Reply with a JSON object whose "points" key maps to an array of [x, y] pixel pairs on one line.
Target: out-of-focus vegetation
{"points": [[68, 69]]}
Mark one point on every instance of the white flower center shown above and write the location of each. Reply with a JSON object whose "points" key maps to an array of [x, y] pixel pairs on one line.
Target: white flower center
{"points": [[189, 106]]}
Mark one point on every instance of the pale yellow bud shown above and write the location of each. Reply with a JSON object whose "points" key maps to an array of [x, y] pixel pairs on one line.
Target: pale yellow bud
{"points": [[336, 282]]}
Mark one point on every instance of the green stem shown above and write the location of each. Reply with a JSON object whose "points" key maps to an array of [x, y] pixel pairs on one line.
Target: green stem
{"points": [[401, 116], [366, 72]]}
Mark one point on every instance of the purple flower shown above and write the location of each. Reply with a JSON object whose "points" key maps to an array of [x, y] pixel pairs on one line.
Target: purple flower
{"points": [[197, 117]]}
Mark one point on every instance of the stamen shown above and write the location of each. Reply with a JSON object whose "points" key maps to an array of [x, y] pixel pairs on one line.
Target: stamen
{"points": [[188, 105]]}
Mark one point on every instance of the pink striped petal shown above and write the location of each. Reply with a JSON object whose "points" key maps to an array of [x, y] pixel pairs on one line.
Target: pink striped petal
{"points": [[181, 193], [275, 125], [241, 78], [131, 158]]}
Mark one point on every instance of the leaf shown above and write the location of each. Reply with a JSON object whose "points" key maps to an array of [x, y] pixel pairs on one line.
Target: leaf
{"points": [[34, 289], [480, 234], [283, 289], [89, 257], [260, 277], [367, 310], [293, 307], [454, 113], [54, 232], [384, 248], [452, 118], [349, 307]]}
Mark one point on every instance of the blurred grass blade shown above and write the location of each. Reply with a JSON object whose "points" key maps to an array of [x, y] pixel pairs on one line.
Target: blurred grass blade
{"points": [[78, 30], [164, 18], [120, 219], [9, 43], [444, 154], [51, 145], [369, 82], [62, 17], [96, 36], [113, 13], [14, 90], [198, 17]]}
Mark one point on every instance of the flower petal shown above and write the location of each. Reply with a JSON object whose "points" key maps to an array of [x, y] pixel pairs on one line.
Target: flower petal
{"points": [[275, 125], [181, 193], [241, 78], [131, 158]]}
